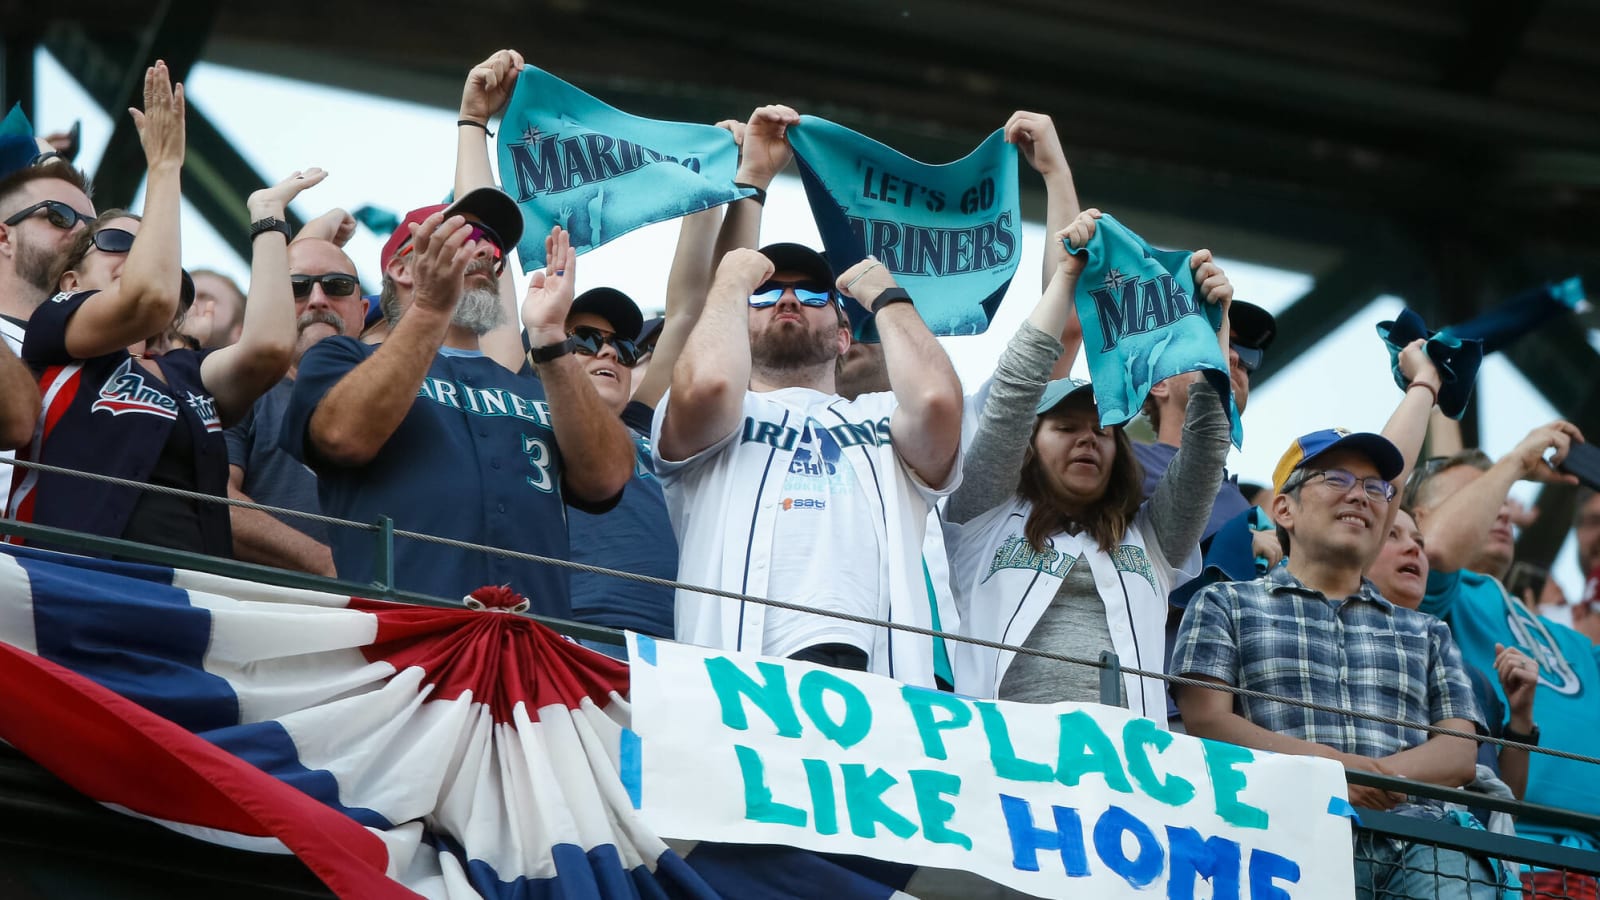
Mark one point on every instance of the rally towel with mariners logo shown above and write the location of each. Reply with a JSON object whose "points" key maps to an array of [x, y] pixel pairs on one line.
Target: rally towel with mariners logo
{"points": [[398, 751], [951, 234], [570, 160], [1144, 322]]}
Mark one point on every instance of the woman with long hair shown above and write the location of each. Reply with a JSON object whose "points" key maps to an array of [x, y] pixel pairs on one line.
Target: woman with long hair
{"points": [[126, 397], [1068, 556]]}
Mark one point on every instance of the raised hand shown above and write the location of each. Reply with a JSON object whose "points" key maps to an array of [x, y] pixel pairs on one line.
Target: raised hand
{"points": [[1076, 236], [766, 147], [735, 128], [549, 297], [742, 270], [1035, 135], [442, 254], [274, 200], [1210, 281], [1418, 368], [489, 85], [1530, 452], [865, 280], [161, 123], [1519, 676]]}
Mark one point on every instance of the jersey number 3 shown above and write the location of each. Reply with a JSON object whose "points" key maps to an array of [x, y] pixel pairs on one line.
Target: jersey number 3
{"points": [[539, 458]]}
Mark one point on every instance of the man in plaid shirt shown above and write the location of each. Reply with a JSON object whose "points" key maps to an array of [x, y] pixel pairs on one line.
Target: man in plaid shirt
{"points": [[1315, 630]]}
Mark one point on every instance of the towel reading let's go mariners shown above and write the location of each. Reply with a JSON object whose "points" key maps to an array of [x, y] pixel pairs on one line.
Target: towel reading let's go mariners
{"points": [[1144, 322], [951, 234]]}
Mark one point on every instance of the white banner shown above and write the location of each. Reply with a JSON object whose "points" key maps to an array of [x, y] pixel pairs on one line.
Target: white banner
{"points": [[1068, 799]]}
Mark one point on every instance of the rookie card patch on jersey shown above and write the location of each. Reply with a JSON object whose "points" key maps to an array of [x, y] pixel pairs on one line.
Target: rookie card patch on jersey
{"points": [[126, 391]]}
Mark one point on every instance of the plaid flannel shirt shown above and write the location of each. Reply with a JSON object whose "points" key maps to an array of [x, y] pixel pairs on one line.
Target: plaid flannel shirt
{"points": [[1362, 653]]}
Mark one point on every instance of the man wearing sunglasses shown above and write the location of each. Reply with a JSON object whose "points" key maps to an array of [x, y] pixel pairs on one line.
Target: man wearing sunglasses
{"points": [[427, 429], [327, 302], [41, 210], [1316, 629], [781, 488]]}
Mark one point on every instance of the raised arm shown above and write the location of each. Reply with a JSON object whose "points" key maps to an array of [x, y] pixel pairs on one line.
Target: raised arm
{"points": [[687, 286], [596, 447], [1005, 425], [713, 372], [19, 400], [360, 413], [485, 94], [1454, 528], [1407, 427], [763, 154], [926, 425], [239, 373], [144, 300], [336, 226], [1037, 141]]}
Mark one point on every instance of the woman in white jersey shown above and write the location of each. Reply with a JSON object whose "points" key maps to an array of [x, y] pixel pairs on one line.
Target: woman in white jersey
{"points": [[1067, 557]]}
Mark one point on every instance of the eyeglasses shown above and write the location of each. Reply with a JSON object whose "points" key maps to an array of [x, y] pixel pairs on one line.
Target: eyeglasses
{"points": [[1249, 357], [333, 284], [481, 233], [807, 294], [113, 240], [56, 213], [588, 340], [1341, 481]]}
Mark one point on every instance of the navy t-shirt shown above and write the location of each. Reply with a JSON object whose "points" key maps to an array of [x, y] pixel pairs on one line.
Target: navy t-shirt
{"points": [[475, 460], [637, 537]]}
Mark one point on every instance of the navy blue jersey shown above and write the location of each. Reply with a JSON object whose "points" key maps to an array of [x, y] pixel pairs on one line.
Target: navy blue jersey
{"points": [[475, 459], [110, 415], [635, 537]]}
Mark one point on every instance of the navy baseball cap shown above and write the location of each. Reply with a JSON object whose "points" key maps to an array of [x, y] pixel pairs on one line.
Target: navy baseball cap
{"points": [[1375, 447], [491, 207], [790, 257], [1252, 326], [1056, 392], [614, 306]]}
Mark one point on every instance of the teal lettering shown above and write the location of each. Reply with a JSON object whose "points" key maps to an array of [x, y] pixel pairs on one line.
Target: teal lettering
{"points": [[758, 803], [820, 782], [1138, 737], [930, 788], [856, 720], [1001, 754], [1222, 761], [1084, 749], [863, 799], [771, 696], [924, 704]]}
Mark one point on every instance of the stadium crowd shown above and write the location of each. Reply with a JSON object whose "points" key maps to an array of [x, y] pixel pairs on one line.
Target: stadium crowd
{"points": [[746, 441]]}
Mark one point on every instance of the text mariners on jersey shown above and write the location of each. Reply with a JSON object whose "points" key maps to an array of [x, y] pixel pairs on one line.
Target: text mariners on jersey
{"points": [[127, 391], [848, 434], [490, 402], [1016, 553], [1127, 306]]}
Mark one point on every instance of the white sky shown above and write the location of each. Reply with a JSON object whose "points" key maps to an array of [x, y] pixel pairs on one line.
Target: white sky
{"points": [[281, 125]]}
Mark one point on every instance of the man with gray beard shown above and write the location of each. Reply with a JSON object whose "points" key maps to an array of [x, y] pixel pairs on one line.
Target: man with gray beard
{"points": [[327, 301], [430, 430]]}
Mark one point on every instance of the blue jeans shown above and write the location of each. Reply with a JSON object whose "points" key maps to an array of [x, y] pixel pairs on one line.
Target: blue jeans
{"points": [[1390, 869]]}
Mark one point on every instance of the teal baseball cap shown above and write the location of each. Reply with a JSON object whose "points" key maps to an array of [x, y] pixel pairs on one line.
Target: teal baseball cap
{"points": [[1058, 391]]}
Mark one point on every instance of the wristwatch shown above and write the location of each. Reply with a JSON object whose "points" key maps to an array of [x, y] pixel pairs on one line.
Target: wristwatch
{"points": [[270, 223], [1531, 738], [548, 352]]}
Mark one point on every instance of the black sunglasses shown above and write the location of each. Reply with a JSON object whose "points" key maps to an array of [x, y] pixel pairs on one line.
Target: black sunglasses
{"points": [[333, 284], [588, 340], [113, 240], [1249, 357], [56, 213]]}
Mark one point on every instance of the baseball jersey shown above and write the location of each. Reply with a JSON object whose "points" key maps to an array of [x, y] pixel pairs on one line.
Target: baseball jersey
{"points": [[475, 459], [636, 536], [12, 331], [271, 476], [112, 401], [726, 500]]}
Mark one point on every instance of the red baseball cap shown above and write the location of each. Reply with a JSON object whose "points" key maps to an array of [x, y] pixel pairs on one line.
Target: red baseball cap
{"points": [[486, 205]]}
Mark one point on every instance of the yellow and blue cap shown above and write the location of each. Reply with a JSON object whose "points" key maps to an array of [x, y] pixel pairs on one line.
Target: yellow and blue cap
{"points": [[1375, 447]]}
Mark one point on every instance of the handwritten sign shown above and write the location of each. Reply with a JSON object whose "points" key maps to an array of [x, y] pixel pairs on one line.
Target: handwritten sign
{"points": [[1060, 800]]}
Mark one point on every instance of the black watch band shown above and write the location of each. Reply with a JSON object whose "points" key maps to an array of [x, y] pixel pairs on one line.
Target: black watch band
{"points": [[548, 352], [892, 295], [270, 223], [1531, 738], [760, 193]]}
